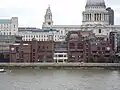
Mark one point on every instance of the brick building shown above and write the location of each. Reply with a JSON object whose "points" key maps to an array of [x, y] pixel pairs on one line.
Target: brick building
{"points": [[101, 50], [42, 51], [78, 47], [84, 46], [20, 53], [34, 51]]}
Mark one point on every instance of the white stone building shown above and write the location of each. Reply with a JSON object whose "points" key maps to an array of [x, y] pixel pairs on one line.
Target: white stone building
{"points": [[9, 26], [95, 18], [28, 33]]}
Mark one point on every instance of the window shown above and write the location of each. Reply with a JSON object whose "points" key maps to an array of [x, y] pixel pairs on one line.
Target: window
{"points": [[65, 55], [33, 50], [33, 54], [14, 26], [94, 51], [80, 46], [99, 30], [98, 48], [72, 45], [17, 49], [60, 55], [9, 33], [103, 48]]}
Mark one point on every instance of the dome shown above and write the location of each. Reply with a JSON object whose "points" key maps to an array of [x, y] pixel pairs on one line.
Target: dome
{"points": [[95, 3]]}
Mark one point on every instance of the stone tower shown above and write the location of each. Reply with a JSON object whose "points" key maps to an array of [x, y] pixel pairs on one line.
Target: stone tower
{"points": [[48, 22]]}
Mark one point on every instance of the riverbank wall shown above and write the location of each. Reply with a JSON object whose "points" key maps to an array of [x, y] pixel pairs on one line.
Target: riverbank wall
{"points": [[61, 65]]}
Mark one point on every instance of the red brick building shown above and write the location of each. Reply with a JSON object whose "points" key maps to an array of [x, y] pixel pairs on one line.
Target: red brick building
{"points": [[84, 46], [20, 53], [78, 47], [35, 51], [42, 51]]}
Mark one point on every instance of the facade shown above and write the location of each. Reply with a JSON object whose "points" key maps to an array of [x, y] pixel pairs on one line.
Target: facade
{"points": [[80, 46], [28, 33], [96, 18], [9, 26], [111, 15], [5, 41], [101, 51], [115, 41], [20, 53], [42, 51], [86, 47], [60, 52], [32, 51]]}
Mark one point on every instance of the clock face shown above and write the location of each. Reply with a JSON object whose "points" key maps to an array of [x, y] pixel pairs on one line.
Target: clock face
{"points": [[49, 23]]}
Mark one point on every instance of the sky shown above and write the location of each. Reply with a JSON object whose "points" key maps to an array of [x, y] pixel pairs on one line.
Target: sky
{"points": [[65, 12]]}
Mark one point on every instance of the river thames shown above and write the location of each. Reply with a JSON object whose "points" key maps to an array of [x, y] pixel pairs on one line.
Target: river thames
{"points": [[36, 79]]}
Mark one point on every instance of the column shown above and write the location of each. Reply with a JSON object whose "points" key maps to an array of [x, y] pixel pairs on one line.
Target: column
{"points": [[94, 17], [90, 17], [99, 17], [85, 17]]}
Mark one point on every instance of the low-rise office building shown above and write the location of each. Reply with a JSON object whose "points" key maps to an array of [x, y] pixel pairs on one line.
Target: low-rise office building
{"points": [[60, 52]]}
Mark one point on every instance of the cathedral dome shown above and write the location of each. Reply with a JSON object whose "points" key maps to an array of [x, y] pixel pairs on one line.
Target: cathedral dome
{"points": [[95, 3]]}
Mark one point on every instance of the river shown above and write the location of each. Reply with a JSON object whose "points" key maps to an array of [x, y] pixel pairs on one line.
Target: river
{"points": [[36, 79]]}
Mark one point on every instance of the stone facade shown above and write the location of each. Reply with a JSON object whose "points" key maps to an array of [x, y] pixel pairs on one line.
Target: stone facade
{"points": [[9, 26]]}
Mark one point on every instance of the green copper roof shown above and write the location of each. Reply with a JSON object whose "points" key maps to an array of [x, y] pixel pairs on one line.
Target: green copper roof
{"points": [[4, 21]]}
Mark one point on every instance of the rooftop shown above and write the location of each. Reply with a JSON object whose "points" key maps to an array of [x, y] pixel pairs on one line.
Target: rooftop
{"points": [[4, 21]]}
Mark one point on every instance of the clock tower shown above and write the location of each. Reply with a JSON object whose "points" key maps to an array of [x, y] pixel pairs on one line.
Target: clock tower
{"points": [[48, 23]]}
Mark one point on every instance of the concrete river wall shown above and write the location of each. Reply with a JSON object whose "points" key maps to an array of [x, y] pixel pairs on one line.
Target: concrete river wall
{"points": [[62, 65]]}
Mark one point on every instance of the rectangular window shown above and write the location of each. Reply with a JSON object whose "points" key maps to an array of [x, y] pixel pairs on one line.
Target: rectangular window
{"points": [[98, 48], [14, 26], [103, 48], [72, 45], [9, 33], [60, 55], [99, 30], [80, 46], [17, 49], [33, 54], [33, 50]]}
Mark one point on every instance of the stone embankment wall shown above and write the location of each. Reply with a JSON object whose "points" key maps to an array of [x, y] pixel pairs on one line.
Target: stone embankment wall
{"points": [[59, 64]]}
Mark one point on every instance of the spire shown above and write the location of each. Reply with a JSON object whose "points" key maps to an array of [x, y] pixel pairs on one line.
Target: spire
{"points": [[48, 11]]}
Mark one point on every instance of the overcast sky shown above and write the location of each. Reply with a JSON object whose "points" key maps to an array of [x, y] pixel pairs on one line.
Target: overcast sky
{"points": [[65, 12]]}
